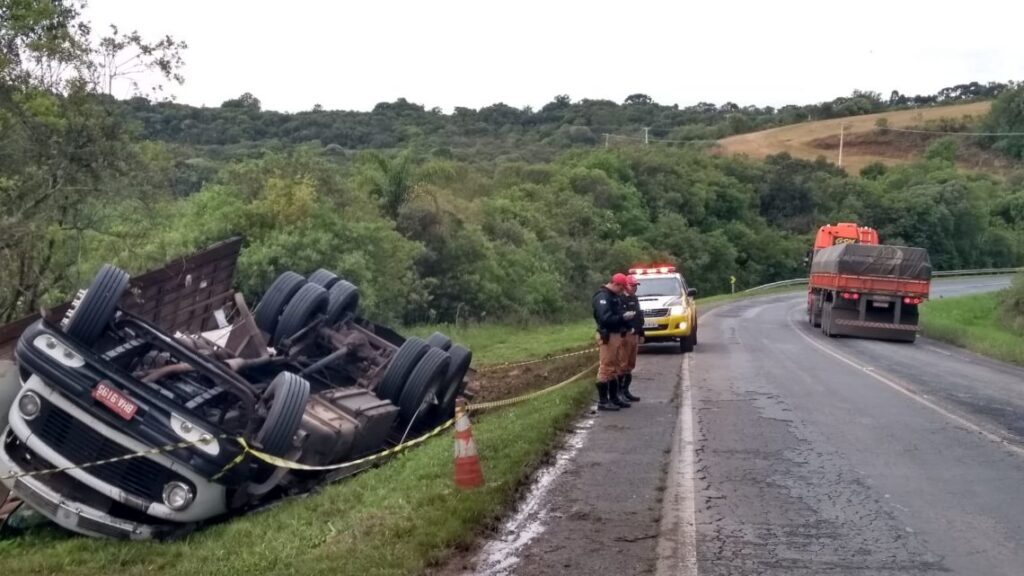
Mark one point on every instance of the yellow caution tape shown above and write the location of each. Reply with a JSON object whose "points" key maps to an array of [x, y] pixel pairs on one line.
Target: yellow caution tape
{"points": [[150, 452], [284, 463]]}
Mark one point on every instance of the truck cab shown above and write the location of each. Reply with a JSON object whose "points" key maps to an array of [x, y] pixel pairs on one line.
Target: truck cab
{"points": [[670, 312]]}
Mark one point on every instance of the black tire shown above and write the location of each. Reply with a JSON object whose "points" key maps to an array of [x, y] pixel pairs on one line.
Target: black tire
{"points": [[280, 293], [423, 384], [343, 299], [324, 278], [88, 319], [687, 343], [439, 340], [287, 395], [401, 367], [453, 385], [309, 301]]}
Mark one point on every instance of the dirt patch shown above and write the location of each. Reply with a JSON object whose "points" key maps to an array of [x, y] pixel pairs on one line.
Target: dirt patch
{"points": [[907, 146], [499, 383]]}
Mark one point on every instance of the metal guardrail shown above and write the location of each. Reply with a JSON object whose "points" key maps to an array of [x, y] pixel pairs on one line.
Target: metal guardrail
{"points": [[940, 274]]}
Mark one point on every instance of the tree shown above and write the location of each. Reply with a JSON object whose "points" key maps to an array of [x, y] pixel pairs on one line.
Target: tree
{"points": [[1007, 116], [245, 102], [64, 151], [638, 99]]}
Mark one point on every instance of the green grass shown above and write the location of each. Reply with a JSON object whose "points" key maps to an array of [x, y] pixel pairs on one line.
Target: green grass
{"points": [[396, 519], [496, 343], [973, 322]]}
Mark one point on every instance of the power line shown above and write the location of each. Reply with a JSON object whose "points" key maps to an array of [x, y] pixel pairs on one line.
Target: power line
{"points": [[912, 131], [655, 140]]}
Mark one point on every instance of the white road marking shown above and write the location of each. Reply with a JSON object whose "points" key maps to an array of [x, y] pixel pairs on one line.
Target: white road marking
{"points": [[677, 542], [892, 383]]}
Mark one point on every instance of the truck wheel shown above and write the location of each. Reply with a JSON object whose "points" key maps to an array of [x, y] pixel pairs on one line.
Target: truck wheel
{"points": [[309, 301], [285, 400], [324, 278], [438, 340], [453, 385], [90, 315], [420, 394], [280, 293], [401, 367], [343, 299]]}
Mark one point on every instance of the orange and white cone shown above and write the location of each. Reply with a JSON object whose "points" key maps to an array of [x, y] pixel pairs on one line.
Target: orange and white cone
{"points": [[468, 474]]}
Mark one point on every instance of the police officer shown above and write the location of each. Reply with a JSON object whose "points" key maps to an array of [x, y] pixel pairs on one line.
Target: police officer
{"points": [[632, 339], [612, 324]]}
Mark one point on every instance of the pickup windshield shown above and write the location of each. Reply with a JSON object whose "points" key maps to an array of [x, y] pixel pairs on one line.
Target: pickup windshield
{"points": [[659, 287]]}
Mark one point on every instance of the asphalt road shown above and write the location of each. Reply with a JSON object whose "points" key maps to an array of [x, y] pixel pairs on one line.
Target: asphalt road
{"points": [[846, 456], [775, 450]]}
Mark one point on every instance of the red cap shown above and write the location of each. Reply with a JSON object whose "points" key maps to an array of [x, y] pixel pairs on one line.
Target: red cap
{"points": [[620, 279], [632, 281]]}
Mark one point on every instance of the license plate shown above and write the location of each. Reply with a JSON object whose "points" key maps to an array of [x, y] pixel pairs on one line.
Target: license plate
{"points": [[115, 400], [650, 324]]}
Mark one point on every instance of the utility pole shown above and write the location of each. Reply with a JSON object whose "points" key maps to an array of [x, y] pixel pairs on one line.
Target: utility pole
{"points": [[606, 140], [645, 135], [842, 133]]}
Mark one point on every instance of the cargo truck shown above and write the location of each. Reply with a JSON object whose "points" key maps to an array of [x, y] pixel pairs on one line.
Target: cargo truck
{"points": [[868, 290]]}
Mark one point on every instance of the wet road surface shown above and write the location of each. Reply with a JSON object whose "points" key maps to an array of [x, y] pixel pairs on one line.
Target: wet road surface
{"points": [[809, 456]]}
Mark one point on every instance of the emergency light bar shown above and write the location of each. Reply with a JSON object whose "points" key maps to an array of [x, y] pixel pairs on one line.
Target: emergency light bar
{"points": [[654, 270]]}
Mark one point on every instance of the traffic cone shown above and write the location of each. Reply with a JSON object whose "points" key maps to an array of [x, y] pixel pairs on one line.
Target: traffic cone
{"points": [[468, 474]]}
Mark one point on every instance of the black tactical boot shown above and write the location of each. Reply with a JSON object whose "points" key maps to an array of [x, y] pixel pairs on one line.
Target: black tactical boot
{"points": [[613, 394], [602, 395], [626, 381]]}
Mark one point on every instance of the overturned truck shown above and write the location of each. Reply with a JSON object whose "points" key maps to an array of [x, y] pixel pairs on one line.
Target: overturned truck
{"points": [[868, 290], [176, 366]]}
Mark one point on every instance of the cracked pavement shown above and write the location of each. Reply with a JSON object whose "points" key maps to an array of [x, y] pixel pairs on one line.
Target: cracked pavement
{"points": [[812, 456]]}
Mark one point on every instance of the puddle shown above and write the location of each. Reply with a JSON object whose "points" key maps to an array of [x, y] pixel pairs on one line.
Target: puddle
{"points": [[500, 555]]}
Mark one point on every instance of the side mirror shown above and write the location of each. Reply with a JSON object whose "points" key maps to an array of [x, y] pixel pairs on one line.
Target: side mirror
{"points": [[692, 292]]}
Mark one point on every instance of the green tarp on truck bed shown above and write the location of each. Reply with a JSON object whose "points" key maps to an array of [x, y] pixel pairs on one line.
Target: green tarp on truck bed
{"points": [[873, 260]]}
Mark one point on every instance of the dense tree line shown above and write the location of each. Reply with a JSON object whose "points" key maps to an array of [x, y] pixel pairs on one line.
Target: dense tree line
{"points": [[558, 124], [480, 214]]}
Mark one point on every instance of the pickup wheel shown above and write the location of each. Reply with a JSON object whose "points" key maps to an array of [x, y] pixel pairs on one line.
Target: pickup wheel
{"points": [[400, 369], [439, 340], [687, 343], [324, 278], [307, 303], [343, 299], [280, 293], [453, 385], [285, 401], [92, 313], [421, 392]]}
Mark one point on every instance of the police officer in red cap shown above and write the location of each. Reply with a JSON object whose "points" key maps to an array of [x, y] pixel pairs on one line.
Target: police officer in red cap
{"points": [[632, 340], [613, 321]]}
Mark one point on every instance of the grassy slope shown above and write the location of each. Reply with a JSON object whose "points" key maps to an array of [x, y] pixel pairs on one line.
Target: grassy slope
{"points": [[972, 322], [396, 519], [496, 343], [796, 139]]}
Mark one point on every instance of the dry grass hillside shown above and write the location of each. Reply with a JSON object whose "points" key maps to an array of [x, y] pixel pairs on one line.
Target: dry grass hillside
{"points": [[863, 143]]}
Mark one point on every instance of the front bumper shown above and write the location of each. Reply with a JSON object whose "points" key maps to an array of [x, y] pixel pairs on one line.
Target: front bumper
{"points": [[75, 516], [668, 327], [101, 483]]}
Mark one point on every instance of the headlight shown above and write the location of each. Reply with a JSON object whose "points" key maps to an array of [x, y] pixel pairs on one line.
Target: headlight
{"points": [[29, 405], [177, 495], [677, 310]]}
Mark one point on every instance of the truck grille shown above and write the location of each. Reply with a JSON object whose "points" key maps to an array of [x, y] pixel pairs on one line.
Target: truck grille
{"points": [[656, 313], [72, 439]]}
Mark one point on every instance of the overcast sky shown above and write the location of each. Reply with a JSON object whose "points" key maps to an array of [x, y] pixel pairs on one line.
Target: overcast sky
{"points": [[351, 55]]}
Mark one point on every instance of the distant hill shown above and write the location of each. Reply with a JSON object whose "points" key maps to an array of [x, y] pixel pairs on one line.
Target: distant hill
{"points": [[863, 143]]}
